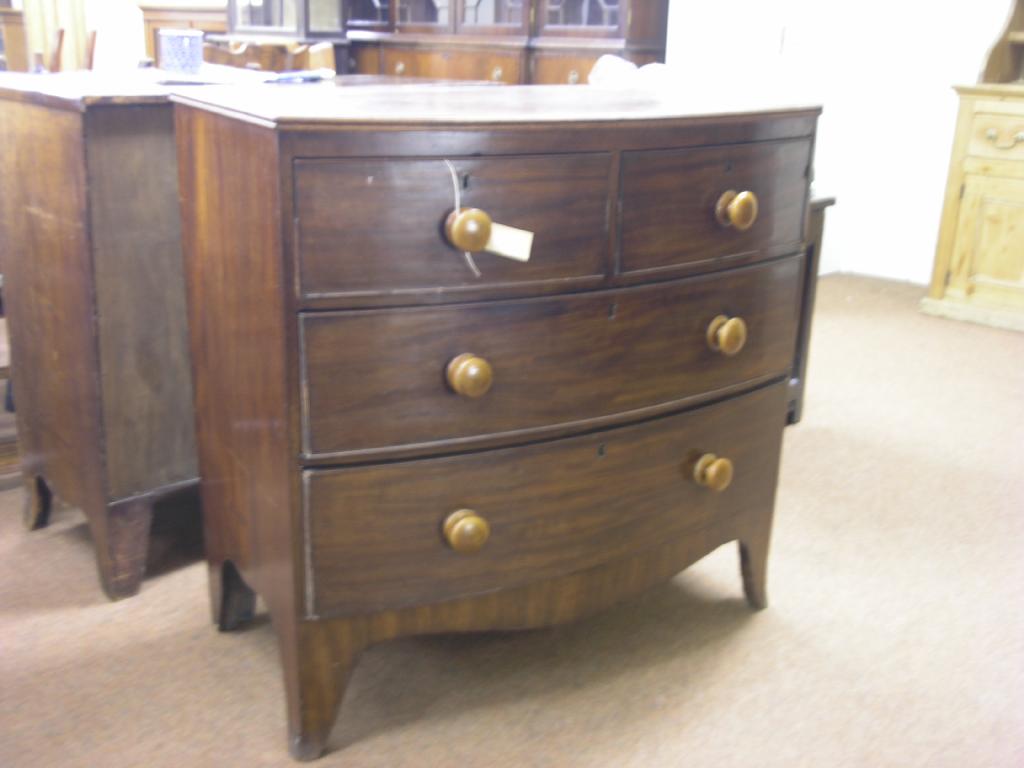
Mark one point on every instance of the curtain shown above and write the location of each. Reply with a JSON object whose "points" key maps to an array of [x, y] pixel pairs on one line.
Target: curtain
{"points": [[44, 17]]}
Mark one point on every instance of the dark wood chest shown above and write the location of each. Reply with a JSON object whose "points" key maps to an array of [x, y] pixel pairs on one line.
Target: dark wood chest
{"points": [[393, 444], [90, 248]]}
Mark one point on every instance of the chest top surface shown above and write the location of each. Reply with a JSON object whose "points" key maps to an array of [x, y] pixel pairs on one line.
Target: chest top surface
{"points": [[327, 106]]}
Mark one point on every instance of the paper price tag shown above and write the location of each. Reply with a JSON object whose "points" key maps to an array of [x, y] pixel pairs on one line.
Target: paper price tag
{"points": [[510, 242]]}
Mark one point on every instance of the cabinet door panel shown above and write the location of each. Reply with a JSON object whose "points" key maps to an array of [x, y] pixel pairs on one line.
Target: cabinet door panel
{"points": [[988, 257]]}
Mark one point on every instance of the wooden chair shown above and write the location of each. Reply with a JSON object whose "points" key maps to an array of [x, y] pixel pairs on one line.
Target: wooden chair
{"points": [[51, 63], [90, 49]]}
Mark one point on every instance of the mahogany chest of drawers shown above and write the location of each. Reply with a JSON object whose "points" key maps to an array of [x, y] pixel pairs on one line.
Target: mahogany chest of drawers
{"points": [[90, 249], [401, 432]]}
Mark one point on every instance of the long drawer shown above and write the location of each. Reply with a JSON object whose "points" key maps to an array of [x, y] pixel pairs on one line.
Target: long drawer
{"points": [[472, 64], [377, 380], [670, 199], [376, 534], [375, 225]]}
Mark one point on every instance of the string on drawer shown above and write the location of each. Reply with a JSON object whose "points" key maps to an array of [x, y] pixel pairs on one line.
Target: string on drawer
{"points": [[458, 207]]}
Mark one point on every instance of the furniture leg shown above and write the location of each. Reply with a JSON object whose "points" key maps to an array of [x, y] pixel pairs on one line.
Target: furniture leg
{"points": [[231, 599], [753, 547], [318, 659], [38, 503], [122, 546]]}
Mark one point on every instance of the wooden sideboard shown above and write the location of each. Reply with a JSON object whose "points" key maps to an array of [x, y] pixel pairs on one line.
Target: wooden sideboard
{"points": [[979, 261], [93, 289], [403, 433], [508, 41]]}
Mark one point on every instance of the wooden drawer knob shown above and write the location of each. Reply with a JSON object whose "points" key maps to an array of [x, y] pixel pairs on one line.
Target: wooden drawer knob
{"points": [[400, 68], [465, 531], [713, 472], [727, 335], [469, 375], [736, 209], [468, 229]]}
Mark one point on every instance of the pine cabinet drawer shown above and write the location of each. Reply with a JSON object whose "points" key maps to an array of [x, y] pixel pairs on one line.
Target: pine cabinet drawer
{"points": [[377, 537], [997, 136], [375, 226], [387, 381], [674, 215]]}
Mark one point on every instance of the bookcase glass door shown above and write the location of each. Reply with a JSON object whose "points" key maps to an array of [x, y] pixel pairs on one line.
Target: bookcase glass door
{"points": [[422, 13], [279, 15], [582, 14], [368, 12], [508, 15]]}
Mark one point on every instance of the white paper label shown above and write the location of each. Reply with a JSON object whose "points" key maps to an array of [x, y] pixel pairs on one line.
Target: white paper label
{"points": [[510, 242]]}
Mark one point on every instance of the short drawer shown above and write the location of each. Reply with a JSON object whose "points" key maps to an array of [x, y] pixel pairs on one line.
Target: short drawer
{"points": [[560, 69], [376, 535], [671, 199], [997, 136], [573, 68], [376, 225], [383, 380], [480, 64]]}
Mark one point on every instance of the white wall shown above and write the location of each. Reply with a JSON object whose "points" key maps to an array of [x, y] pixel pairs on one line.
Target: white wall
{"points": [[883, 71]]}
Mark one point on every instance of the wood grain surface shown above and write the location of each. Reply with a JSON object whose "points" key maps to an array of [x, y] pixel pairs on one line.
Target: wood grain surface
{"points": [[140, 296], [49, 300]]}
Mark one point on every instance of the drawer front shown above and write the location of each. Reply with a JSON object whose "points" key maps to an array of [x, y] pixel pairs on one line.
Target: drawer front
{"points": [[573, 68], [999, 137], [553, 69], [376, 533], [669, 200], [375, 226], [376, 379], [453, 65]]}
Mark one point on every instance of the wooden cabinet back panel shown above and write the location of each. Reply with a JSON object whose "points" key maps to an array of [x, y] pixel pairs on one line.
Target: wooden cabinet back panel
{"points": [[376, 225], [376, 378], [374, 532], [669, 197]]}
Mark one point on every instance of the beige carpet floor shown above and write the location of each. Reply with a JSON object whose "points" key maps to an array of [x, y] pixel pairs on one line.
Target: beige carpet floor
{"points": [[895, 636]]}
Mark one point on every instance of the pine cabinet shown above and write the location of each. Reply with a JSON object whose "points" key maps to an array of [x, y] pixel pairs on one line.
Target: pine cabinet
{"points": [[979, 265]]}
